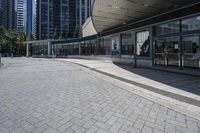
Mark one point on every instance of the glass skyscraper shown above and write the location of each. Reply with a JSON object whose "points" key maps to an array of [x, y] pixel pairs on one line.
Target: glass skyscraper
{"points": [[21, 7], [30, 17], [60, 17], [8, 14]]}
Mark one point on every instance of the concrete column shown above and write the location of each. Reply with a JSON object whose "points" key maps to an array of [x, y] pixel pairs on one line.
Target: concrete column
{"points": [[27, 50], [49, 49]]}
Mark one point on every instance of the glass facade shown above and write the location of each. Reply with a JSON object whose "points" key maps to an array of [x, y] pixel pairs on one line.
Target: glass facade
{"points": [[173, 44], [167, 51], [107, 45], [191, 24], [115, 45], [143, 43], [191, 51], [127, 46], [168, 28]]}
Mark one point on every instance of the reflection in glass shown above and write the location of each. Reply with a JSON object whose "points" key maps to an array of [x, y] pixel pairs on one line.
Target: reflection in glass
{"points": [[172, 27], [143, 44], [107, 44], [76, 49], [191, 51], [100, 47], [191, 24], [127, 44], [167, 51], [115, 44]]}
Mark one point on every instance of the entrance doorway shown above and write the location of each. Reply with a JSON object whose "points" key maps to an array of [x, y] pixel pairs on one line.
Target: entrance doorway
{"points": [[191, 51], [167, 51]]}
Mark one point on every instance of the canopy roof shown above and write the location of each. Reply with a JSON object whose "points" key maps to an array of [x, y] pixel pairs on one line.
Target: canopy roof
{"points": [[111, 13]]}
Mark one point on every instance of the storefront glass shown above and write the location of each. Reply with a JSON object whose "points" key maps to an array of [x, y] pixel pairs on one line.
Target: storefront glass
{"points": [[168, 28], [115, 45], [127, 43], [107, 45], [191, 24], [191, 51], [167, 51], [143, 44]]}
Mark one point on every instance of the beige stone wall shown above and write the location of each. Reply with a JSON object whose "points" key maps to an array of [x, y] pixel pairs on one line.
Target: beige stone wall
{"points": [[88, 28]]}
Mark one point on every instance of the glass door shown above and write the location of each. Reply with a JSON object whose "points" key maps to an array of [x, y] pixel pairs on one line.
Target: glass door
{"points": [[167, 51], [191, 51]]}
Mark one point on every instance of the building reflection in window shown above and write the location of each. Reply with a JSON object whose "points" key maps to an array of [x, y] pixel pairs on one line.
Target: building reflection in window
{"points": [[191, 24], [115, 44], [168, 28]]}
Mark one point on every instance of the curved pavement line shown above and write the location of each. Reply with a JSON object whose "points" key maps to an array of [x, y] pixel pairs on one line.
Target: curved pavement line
{"points": [[150, 88], [185, 105]]}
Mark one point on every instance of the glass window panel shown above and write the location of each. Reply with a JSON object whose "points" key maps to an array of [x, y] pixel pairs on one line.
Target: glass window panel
{"points": [[127, 43], [115, 43], [191, 24], [191, 51], [107, 45], [143, 43], [168, 28]]}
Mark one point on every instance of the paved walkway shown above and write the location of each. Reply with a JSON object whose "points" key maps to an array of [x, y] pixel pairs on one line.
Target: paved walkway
{"points": [[46, 96]]}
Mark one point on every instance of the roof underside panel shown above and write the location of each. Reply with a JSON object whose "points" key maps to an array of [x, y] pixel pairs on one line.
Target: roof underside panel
{"points": [[111, 13]]}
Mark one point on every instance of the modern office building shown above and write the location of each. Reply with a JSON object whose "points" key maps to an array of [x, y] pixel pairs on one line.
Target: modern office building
{"points": [[0, 12], [159, 33], [21, 10], [84, 11], [44, 19], [30, 18], [8, 14], [55, 17], [60, 16]]}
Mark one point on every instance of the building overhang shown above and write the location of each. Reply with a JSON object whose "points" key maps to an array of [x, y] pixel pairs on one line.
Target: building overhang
{"points": [[108, 14]]}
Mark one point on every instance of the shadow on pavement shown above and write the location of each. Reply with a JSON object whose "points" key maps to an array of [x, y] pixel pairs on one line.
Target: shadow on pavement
{"points": [[180, 81]]}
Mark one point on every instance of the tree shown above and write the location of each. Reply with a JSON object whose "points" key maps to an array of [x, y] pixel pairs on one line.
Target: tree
{"points": [[21, 46], [77, 32], [64, 35], [11, 37], [56, 34]]}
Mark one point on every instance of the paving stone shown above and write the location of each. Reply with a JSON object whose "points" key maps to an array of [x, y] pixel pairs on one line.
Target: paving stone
{"points": [[50, 130], [64, 126], [115, 127], [78, 129], [93, 129], [139, 124], [45, 96], [147, 130], [130, 129]]}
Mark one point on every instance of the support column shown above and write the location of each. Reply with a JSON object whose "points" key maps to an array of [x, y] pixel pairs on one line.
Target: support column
{"points": [[49, 48], [27, 50]]}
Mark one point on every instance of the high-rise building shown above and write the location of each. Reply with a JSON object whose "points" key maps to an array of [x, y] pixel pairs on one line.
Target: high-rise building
{"points": [[44, 19], [0, 12], [84, 10], [30, 18], [60, 17], [21, 8], [8, 14]]}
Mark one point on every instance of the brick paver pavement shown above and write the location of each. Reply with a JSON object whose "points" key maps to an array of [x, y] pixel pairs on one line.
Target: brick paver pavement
{"points": [[45, 96]]}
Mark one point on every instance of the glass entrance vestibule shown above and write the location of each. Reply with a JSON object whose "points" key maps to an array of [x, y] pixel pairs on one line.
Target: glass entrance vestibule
{"points": [[177, 43]]}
